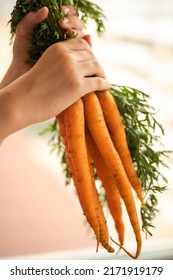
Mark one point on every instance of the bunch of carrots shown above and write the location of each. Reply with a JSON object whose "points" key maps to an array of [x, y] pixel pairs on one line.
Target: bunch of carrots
{"points": [[95, 141], [94, 138]]}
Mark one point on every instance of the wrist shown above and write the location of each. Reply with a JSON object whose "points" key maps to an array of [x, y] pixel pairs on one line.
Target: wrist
{"points": [[15, 70], [12, 113], [7, 115], [20, 67]]}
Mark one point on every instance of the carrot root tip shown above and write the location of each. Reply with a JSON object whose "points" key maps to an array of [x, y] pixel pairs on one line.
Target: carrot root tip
{"points": [[126, 251]]}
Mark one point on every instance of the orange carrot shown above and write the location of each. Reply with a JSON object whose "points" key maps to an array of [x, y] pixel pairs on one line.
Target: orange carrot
{"points": [[104, 234], [81, 173], [62, 130], [75, 137], [116, 129], [108, 182], [97, 126]]}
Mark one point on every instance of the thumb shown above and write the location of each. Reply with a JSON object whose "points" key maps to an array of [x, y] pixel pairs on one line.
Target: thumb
{"points": [[88, 39], [95, 84], [29, 22]]}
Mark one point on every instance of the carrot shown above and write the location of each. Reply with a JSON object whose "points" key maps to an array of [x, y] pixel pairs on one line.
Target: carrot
{"points": [[76, 147], [104, 234], [108, 182], [62, 130], [74, 123], [116, 129], [97, 126]]}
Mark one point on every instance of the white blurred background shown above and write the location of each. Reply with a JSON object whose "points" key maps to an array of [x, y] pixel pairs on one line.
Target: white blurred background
{"points": [[38, 213]]}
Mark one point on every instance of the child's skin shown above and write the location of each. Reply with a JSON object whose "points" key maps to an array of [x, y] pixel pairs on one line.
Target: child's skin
{"points": [[64, 73]]}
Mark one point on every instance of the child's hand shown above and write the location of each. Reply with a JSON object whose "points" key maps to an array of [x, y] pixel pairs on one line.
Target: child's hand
{"points": [[24, 32]]}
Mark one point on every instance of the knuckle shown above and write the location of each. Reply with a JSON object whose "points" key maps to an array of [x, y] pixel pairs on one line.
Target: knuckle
{"points": [[83, 43], [95, 63], [57, 47], [60, 51], [99, 83], [75, 84]]}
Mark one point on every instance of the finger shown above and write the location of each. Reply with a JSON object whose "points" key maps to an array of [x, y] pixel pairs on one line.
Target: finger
{"points": [[95, 84], [29, 22], [91, 68], [39, 16], [76, 44], [71, 22], [83, 56], [88, 39], [68, 10]]}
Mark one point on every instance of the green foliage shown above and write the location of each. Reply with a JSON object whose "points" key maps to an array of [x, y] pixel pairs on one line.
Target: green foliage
{"points": [[49, 31], [137, 115], [143, 134], [90, 10]]}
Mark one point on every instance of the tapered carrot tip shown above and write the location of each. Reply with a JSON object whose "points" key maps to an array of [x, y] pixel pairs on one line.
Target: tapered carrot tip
{"points": [[126, 251], [109, 248], [97, 247], [142, 203], [118, 250], [140, 196]]}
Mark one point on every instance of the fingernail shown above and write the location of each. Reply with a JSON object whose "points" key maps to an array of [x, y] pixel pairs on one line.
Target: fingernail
{"points": [[65, 20], [66, 10]]}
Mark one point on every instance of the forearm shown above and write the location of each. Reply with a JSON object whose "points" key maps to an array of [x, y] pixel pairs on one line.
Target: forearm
{"points": [[12, 105], [6, 113], [14, 71], [6, 108]]}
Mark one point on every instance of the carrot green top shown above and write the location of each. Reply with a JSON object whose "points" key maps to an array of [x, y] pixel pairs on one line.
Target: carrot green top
{"points": [[49, 32]]}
